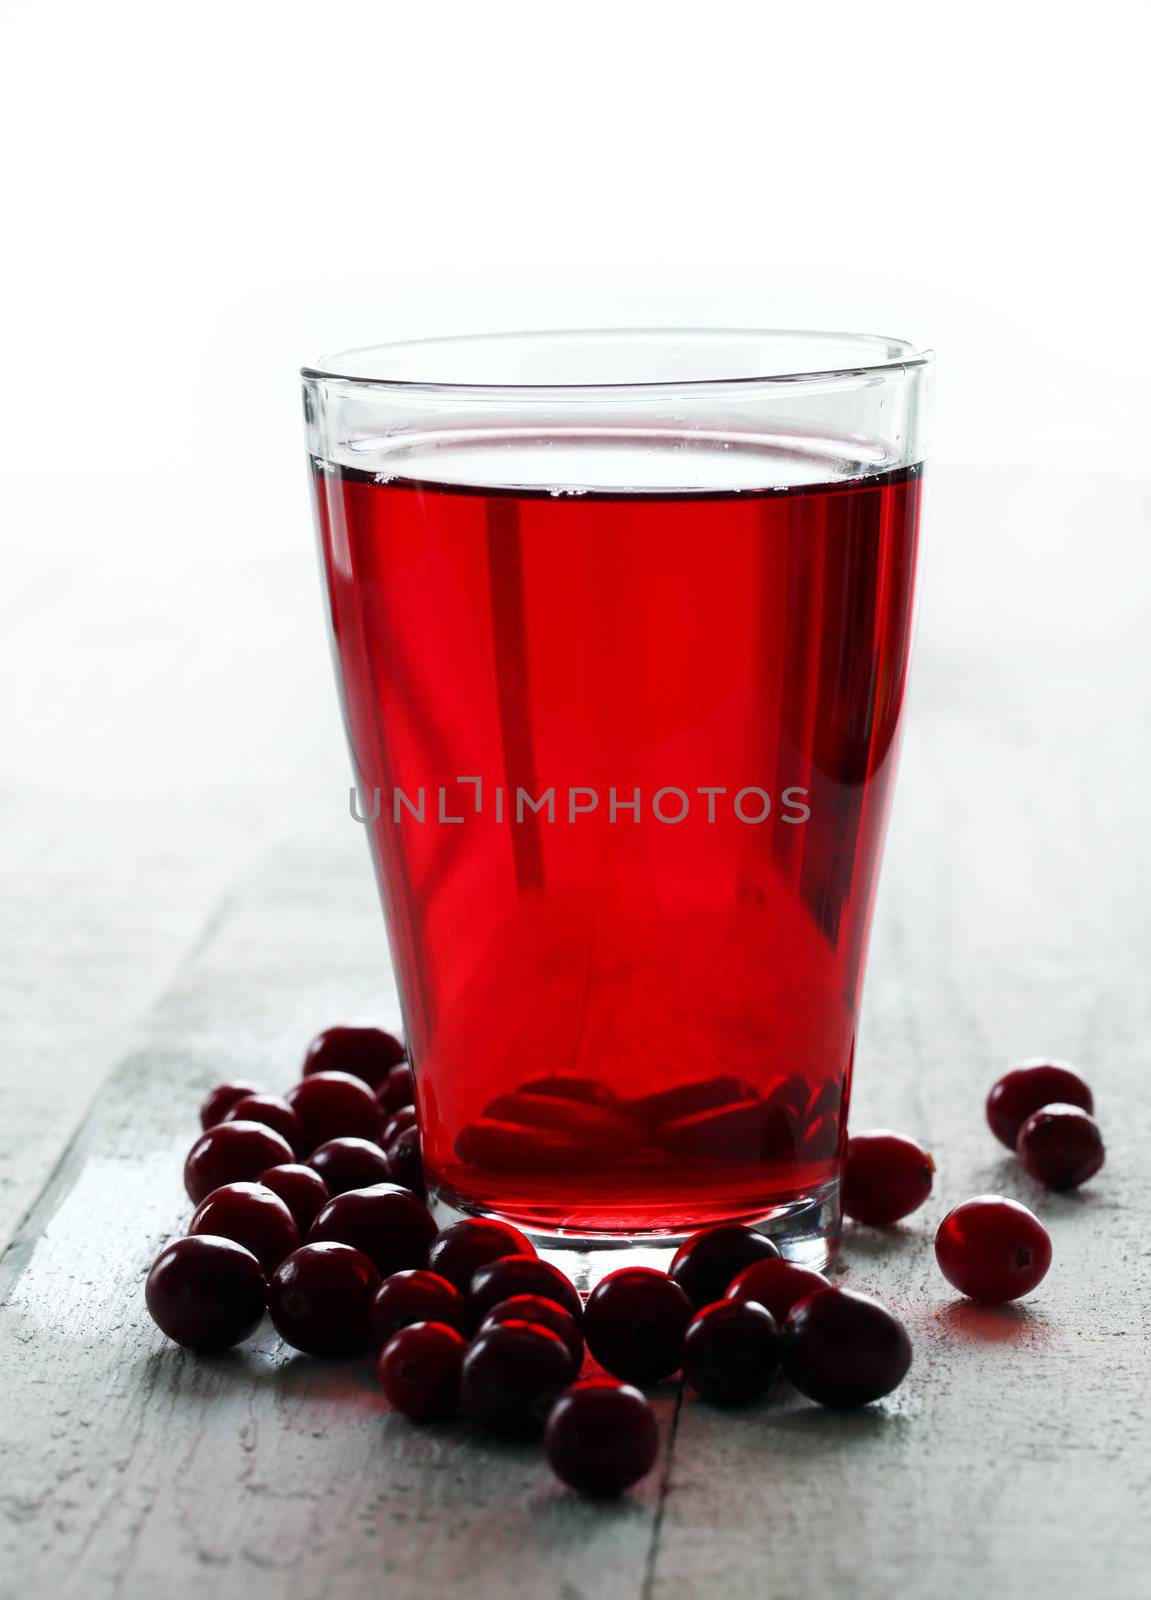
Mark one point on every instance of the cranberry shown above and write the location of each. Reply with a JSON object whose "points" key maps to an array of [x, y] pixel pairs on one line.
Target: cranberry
{"points": [[301, 1189], [387, 1223], [689, 1099], [601, 1437], [844, 1349], [778, 1285], [272, 1111], [332, 1105], [706, 1263], [350, 1164], [992, 1249], [512, 1374], [254, 1217], [419, 1370], [546, 1313], [406, 1160], [601, 1129], [232, 1152], [1060, 1146], [634, 1323], [747, 1131], [562, 1087], [416, 1296], [509, 1147], [1029, 1085], [821, 1138], [826, 1098], [207, 1293], [223, 1096], [398, 1089], [887, 1176], [367, 1053], [513, 1275], [464, 1246], [731, 1352], [797, 1095], [398, 1123], [320, 1299]]}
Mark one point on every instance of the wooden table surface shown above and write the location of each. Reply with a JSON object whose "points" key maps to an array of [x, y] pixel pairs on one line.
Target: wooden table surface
{"points": [[186, 898]]}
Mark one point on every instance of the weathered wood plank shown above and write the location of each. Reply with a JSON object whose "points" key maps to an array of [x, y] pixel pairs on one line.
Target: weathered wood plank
{"points": [[165, 694], [1014, 919], [132, 1468]]}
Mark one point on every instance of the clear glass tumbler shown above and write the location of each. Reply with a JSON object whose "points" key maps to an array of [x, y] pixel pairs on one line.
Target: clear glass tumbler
{"points": [[621, 623]]}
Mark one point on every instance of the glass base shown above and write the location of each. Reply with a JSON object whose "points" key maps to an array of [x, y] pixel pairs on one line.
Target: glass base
{"points": [[806, 1231]]}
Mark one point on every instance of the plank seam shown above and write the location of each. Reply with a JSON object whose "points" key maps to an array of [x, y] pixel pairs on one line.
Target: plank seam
{"points": [[70, 1164], [648, 1585]]}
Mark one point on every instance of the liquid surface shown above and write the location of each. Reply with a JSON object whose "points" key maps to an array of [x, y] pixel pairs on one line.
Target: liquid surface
{"points": [[631, 753]]}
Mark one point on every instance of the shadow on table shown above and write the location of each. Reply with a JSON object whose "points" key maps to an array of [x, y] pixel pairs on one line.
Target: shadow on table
{"points": [[990, 1324], [840, 1429], [348, 1382], [875, 1244]]}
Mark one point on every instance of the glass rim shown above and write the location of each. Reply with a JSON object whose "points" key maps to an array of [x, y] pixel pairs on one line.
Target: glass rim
{"points": [[888, 355]]}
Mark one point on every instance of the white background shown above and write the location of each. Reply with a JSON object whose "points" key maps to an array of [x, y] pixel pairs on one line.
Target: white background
{"points": [[201, 197], [198, 198]]}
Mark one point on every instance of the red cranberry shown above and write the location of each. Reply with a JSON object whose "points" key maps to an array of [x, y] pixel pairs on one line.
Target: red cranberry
{"points": [[748, 1131], [464, 1246], [254, 1217], [399, 1122], [601, 1437], [416, 1296], [634, 1323], [562, 1087], [320, 1299], [223, 1096], [398, 1089], [600, 1129], [1060, 1146], [706, 1263], [405, 1158], [844, 1349], [777, 1285], [826, 1099], [301, 1189], [992, 1249], [272, 1111], [512, 1374], [731, 1352], [887, 1176], [367, 1053], [821, 1138], [419, 1370], [387, 1223], [207, 1293], [512, 1275], [332, 1105], [350, 1164], [689, 1100], [1029, 1085], [506, 1147], [232, 1152], [796, 1094], [545, 1313]]}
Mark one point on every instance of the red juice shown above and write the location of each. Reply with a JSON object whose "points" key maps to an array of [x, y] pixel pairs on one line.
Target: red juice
{"points": [[627, 756]]}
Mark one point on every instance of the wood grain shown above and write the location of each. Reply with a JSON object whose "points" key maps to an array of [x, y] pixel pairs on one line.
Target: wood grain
{"points": [[1014, 918], [165, 703]]}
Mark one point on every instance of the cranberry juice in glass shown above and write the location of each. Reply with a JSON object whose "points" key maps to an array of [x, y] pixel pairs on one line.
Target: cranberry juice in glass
{"points": [[621, 625]]}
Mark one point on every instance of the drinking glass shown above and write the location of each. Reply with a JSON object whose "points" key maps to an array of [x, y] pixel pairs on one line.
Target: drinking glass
{"points": [[621, 625]]}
